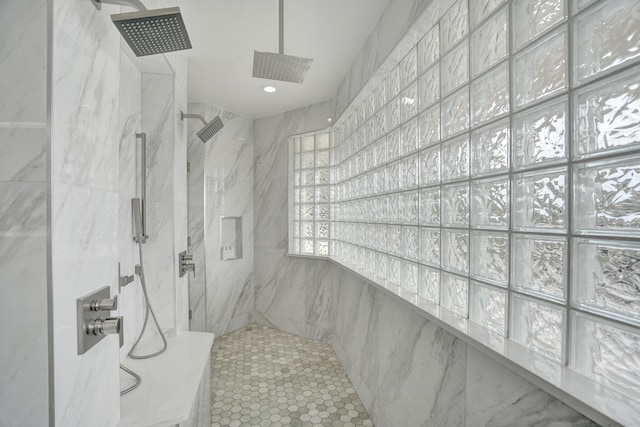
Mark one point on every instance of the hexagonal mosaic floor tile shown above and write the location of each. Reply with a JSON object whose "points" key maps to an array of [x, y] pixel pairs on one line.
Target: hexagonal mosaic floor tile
{"points": [[265, 377]]}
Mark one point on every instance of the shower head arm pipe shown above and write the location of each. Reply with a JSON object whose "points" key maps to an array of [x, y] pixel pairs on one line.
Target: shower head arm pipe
{"points": [[192, 116], [136, 4], [281, 27]]}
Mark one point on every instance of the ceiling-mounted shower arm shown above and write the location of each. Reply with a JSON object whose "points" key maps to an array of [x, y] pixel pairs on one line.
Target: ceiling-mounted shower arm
{"points": [[192, 116], [136, 4], [281, 27]]}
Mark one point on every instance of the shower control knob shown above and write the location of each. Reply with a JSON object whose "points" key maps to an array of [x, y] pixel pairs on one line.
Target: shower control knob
{"points": [[105, 326], [104, 304], [186, 257]]}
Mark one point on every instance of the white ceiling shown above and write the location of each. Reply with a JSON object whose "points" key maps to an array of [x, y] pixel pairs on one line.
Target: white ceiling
{"points": [[224, 34]]}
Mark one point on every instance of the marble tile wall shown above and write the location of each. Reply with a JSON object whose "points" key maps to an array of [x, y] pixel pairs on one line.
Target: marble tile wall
{"points": [[221, 180], [408, 371], [24, 183], [85, 136], [292, 294]]}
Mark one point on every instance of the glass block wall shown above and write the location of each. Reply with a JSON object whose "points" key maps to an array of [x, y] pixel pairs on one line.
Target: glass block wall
{"points": [[495, 173], [309, 197]]}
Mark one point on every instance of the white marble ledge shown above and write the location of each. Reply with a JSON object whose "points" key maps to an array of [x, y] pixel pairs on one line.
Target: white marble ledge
{"points": [[598, 402], [169, 382]]}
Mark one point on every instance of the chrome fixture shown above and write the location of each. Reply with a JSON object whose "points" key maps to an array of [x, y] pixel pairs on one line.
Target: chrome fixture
{"points": [[93, 319], [135, 376], [184, 265], [150, 32], [138, 205], [209, 129], [278, 66], [123, 280]]}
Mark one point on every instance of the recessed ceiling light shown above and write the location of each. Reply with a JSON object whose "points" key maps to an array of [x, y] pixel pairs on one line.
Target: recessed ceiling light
{"points": [[269, 89], [329, 120]]}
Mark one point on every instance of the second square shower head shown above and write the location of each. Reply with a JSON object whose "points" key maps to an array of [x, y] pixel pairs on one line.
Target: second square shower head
{"points": [[210, 128]]}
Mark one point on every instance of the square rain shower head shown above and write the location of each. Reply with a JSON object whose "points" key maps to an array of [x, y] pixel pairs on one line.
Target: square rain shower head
{"points": [[151, 32], [210, 129], [278, 66]]}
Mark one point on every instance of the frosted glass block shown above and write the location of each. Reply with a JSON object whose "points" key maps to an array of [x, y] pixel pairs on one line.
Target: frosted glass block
{"points": [[606, 352], [392, 82], [322, 230], [429, 284], [306, 195], [454, 294], [455, 159], [490, 203], [430, 166], [393, 176], [540, 200], [307, 143], [455, 68], [395, 240], [410, 243], [296, 162], [488, 307], [429, 49], [410, 167], [410, 276], [539, 265], [455, 205], [361, 264], [430, 206], [381, 237], [394, 272], [307, 177], [296, 246], [380, 96], [410, 207], [322, 212], [609, 36], [429, 246], [490, 149], [396, 208], [607, 197], [307, 212], [540, 135], [370, 257], [380, 152], [393, 144], [533, 17], [307, 246], [489, 43], [429, 87], [455, 251], [322, 158], [490, 257], [455, 113], [480, 9], [296, 229], [296, 212], [394, 112], [307, 160], [409, 102], [490, 95], [368, 158], [296, 145], [548, 76], [409, 68], [296, 179], [307, 229], [322, 177], [409, 137], [605, 278], [381, 267], [537, 326], [322, 247], [454, 25], [296, 196], [429, 123], [607, 115], [322, 141]]}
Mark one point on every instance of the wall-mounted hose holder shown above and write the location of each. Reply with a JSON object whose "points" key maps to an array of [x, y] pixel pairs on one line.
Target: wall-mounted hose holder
{"points": [[94, 320]]}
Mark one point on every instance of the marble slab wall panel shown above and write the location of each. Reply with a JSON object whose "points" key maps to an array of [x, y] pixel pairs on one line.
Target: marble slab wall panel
{"points": [[131, 302], [499, 397], [24, 183], [85, 137], [292, 294], [201, 411]]}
